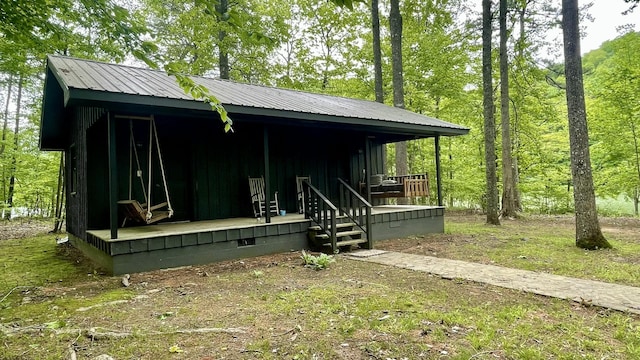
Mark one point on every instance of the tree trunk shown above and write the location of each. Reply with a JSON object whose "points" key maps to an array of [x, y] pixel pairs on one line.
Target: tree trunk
{"points": [[14, 157], [5, 126], [6, 115], [377, 66], [223, 61], [635, 202], [515, 139], [637, 159], [59, 202], [508, 196], [489, 121], [588, 233], [377, 53], [395, 24]]}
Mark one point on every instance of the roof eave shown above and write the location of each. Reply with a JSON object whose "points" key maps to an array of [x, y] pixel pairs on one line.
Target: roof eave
{"points": [[84, 96]]}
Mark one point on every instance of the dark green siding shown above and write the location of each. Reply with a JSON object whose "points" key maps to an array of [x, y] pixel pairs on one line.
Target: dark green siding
{"points": [[207, 169], [80, 193], [98, 176]]}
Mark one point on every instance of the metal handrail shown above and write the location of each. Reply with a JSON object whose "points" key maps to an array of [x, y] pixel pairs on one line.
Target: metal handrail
{"points": [[356, 208]]}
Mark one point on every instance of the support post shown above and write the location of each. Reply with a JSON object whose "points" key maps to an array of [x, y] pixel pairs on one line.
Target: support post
{"points": [[113, 177], [267, 177], [367, 167], [438, 171]]}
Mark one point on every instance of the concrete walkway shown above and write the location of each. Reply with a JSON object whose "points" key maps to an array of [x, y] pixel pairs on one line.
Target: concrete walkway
{"points": [[612, 296]]}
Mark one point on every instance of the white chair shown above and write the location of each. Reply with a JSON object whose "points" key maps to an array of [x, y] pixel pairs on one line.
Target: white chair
{"points": [[258, 202], [300, 191]]}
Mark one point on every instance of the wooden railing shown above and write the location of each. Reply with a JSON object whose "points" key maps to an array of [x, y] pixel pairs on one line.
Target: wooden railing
{"points": [[414, 185], [321, 211], [356, 208]]}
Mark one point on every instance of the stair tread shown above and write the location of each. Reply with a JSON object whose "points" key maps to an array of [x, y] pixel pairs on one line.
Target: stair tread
{"points": [[338, 226], [347, 242], [340, 234]]}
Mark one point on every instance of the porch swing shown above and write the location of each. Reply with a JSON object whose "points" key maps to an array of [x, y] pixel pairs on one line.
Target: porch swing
{"points": [[145, 212]]}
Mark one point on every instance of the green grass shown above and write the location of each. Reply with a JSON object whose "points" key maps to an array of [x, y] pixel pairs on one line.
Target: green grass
{"points": [[38, 261], [545, 244], [352, 309], [618, 206]]}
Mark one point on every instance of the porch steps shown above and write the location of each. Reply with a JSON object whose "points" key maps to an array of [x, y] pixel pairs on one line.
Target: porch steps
{"points": [[338, 226], [347, 234], [347, 243], [340, 234]]}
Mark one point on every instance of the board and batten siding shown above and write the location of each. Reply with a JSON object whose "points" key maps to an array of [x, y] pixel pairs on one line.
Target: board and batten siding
{"points": [[207, 170], [76, 156], [222, 164]]}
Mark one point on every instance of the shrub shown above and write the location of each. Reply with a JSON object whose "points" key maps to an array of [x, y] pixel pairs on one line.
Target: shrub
{"points": [[319, 262]]}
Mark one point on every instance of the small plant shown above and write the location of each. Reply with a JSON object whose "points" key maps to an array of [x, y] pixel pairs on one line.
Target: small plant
{"points": [[319, 262], [165, 315], [307, 258], [257, 273]]}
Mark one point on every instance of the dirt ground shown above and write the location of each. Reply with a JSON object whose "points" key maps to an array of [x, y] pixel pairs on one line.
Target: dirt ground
{"points": [[272, 307], [23, 227]]}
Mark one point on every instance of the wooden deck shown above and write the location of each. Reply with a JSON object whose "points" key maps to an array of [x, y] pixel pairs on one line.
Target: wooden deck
{"points": [[164, 245], [181, 228]]}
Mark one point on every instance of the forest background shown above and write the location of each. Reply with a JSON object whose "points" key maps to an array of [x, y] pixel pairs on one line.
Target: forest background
{"points": [[318, 46]]}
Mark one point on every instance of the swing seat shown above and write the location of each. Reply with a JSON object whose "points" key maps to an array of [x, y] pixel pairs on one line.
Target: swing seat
{"points": [[137, 212]]}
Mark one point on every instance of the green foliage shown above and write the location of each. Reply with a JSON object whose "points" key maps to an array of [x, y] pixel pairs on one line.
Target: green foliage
{"points": [[615, 116], [346, 3], [319, 262], [199, 92], [326, 46]]}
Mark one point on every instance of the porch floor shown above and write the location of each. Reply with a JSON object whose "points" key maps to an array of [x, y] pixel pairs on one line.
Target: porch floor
{"points": [[164, 245], [192, 227]]}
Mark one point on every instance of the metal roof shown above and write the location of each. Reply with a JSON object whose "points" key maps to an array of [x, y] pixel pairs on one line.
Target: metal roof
{"points": [[84, 80]]}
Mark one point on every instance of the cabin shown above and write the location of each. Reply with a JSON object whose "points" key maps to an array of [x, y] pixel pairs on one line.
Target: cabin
{"points": [[153, 181]]}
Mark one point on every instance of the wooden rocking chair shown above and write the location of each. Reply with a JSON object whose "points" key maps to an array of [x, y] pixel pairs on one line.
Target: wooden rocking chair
{"points": [[258, 202]]}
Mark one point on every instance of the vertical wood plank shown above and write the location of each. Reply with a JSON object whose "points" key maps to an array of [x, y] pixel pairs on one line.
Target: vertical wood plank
{"points": [[267, 177], [113, 178], [438, 174], [367, 166]]}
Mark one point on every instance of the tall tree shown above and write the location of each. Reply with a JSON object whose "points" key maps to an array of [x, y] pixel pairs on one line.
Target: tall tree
{"points": [[489, 121], [508, 179], [5, 123], [222, 9], [588, 233], [377, 65], [59, 198], [395, 25], [530, 99], [377, 52], [14, 158]]}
